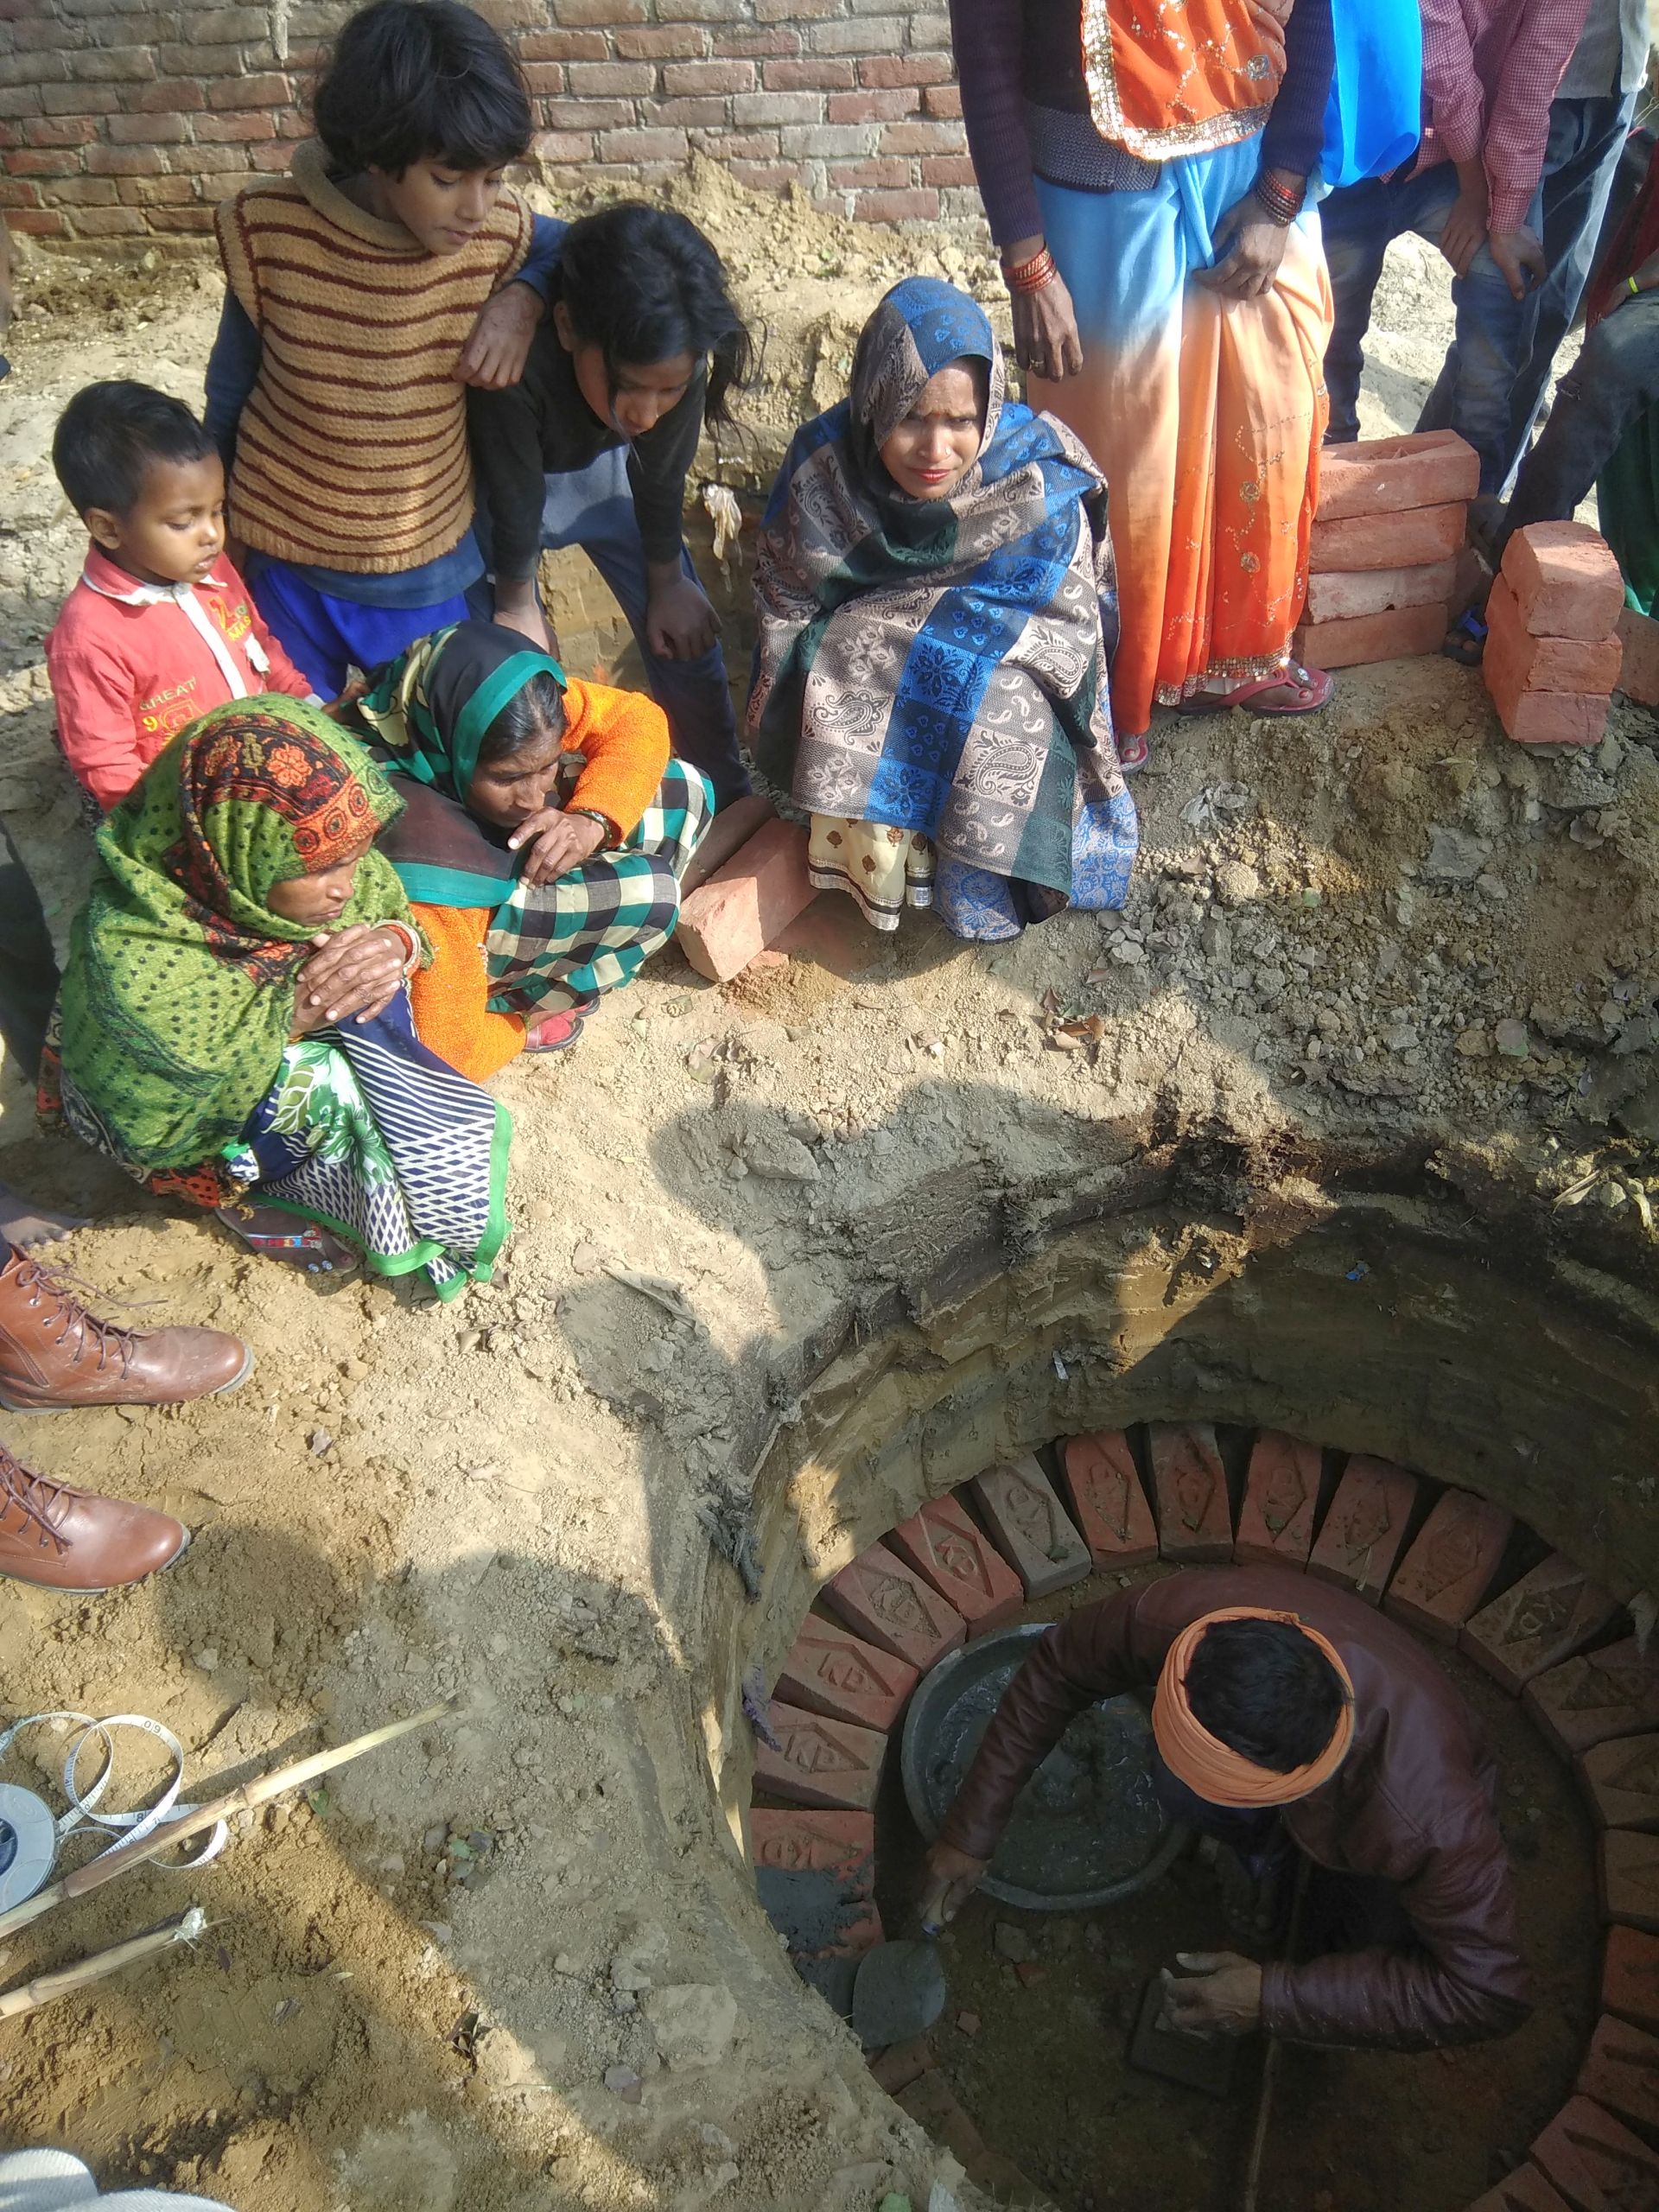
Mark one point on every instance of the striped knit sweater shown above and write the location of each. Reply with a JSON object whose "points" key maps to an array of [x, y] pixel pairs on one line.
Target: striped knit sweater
{"points": [[352, 450]]}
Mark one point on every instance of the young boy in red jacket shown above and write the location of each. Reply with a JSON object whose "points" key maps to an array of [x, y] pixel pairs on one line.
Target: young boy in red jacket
{"points": [[160, 627]]}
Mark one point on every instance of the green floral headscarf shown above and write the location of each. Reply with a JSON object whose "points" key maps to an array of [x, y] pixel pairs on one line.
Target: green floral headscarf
{"points": [[178, 997]]}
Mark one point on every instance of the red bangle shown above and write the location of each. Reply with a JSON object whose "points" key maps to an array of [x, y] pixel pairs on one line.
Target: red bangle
{"points": [[1031, 275]]}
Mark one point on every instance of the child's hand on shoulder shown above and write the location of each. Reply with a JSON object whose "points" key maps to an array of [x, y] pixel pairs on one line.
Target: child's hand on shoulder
{"points": [[493, 358]]}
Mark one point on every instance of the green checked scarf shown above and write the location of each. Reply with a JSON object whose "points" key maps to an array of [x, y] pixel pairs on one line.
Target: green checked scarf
{"points": [[429, 709], [178, 996]]}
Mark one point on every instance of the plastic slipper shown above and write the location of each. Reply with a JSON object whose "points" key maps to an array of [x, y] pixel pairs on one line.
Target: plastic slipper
{"points": [[1132, 754], [307, 1248], [556, 1033], [1465, 642], [1314, 688]]}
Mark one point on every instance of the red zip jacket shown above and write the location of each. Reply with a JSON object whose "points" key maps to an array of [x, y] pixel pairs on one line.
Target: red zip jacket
{"points": [[1411, 1804], [132, 663]]}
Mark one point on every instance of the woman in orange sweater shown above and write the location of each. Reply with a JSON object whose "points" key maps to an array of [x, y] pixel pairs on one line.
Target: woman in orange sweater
{"points": [[543, 841]]}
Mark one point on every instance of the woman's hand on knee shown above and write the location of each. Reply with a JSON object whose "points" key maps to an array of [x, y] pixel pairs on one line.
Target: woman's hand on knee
{"points": [[356, 971], [557, 841]]}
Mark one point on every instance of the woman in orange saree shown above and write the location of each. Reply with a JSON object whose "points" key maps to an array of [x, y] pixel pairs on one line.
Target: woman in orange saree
{"points": [[1145, 166]]}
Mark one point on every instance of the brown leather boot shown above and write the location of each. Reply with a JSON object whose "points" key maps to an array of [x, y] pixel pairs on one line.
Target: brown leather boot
{"points": [[75, 1540], [53, 1354]]}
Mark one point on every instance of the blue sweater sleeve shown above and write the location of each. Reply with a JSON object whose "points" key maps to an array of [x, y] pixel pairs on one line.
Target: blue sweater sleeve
{"points": [[232, 369], [1295, 131], [546, 236]]}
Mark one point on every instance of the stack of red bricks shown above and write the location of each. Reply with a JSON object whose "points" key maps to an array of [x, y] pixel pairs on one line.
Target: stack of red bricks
{"points": [[1553, 648], [1387, 535]]}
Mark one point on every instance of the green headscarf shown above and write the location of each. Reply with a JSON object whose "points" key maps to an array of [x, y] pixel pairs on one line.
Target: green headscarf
{"points": [[178, 997]]}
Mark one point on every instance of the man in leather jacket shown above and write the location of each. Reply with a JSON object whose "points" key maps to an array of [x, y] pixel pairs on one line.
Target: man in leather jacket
{"points": [[1311, 1717]]}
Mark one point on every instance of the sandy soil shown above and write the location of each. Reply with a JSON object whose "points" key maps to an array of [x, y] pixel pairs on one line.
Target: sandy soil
{"points": [[1388, 921]]}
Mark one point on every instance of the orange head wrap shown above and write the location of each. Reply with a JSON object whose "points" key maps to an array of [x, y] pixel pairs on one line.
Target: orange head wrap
{"points": [[1211, 1768]]}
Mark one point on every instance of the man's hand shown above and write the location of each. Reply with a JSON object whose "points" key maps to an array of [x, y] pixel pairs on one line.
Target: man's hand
{"points": [[951, 1877], [358, 970], [516, 608], [1222, 1998], [1517, 254], [1249, 245], [494, 356], [1465, 231], [680, 624], [558, 841]]}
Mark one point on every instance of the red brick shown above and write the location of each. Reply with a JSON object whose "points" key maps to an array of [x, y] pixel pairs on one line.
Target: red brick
{"points": [[169, 96], [798, 76], [1551, 1614], [1103, 1487], [819, 1761], [1597, 2164], [1566, 581], [1638, 638], [1630, 1977], [1366, 1527], [1535, 717], [693, 77], [943, 100], [58, 161], [112, 222], [1613, 1692], [1381, 476], [1524, 2190], [1450, 1566], [919, 206], [1621, 2072], [902, 2064], [1543, 664], [38, 222], [658, 149], [611, 79], [268, 91], [889, 1603], [1403, 633], [850, 175], [1343, 598], [884, 69], [56, 130], [830, 1670], [948, 169], [729, 831], [1627, 1878], [705, 112], [146, 129], [871, 107], [593, 45], [961, 1563], [197, 219], [125, 160], [820, 1843], [748, 903], [543, 77], [742, 44], [562, 146], [1281, 1497], [1030, 1526], [1621, 1779], [17, 192], [1189, 1484], [1411, 539], [158, 191], [921, 138]]}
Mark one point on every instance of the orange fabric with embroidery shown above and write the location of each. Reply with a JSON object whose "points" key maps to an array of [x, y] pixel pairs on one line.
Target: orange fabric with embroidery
{"points": [[1167, 80], [449, 997]]}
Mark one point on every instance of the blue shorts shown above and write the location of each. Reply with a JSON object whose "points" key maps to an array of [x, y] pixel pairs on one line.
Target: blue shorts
{"points": [[326, 638]]}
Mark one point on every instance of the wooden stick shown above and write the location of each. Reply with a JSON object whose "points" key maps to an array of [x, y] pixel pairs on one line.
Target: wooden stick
{"points": [[1270, 2064], [64, 1981], [260, 1792]]}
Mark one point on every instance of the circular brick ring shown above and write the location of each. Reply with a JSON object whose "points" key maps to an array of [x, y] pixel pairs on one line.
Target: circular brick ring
{"points": [[969, 1560]]}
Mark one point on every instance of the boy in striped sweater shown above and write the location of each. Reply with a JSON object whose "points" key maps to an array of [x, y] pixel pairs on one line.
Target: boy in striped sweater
{"points": [[387, 270]]}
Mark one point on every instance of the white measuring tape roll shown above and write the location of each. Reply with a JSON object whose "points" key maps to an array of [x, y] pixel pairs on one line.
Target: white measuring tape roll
{"points": [[124, 1827]]}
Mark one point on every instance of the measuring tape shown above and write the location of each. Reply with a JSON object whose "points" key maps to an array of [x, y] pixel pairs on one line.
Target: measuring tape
{"points": [[31, 1835]]}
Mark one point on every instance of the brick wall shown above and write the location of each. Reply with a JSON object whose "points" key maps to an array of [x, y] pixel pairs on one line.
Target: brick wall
{"points": [[129, 119]]}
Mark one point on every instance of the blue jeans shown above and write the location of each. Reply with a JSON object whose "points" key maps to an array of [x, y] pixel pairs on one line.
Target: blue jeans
{"points": [[1474, 394], [593, 507], [326, 638], [1586, 139]]}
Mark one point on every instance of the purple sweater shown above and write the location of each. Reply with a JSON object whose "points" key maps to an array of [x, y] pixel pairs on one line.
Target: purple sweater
{"points": [[1025, 106]]}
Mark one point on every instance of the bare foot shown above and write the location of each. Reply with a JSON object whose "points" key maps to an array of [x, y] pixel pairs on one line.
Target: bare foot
{"points": [[286, 1237], [29, 1227]]}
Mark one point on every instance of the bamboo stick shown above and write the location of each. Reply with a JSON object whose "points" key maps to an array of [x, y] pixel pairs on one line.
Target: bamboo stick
{"points": [[260, 1792], [63, 1981]]}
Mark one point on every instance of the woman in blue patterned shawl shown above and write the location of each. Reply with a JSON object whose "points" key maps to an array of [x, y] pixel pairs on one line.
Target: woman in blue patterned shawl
{"points": [[935, 590]]}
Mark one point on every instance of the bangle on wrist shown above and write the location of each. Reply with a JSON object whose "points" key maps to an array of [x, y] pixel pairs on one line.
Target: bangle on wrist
{"points": [[1030, 276], [607, 827], [412, 946], [1278, 202]]}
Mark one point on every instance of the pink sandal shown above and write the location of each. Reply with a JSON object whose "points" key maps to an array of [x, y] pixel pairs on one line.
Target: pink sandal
{"points": [[554, 1033], [1310, 689], [1132, 754]]}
